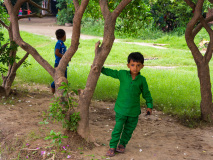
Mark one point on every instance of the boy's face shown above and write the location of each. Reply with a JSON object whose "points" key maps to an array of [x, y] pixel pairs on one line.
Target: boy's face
{"points": [[135, 67], [64, 38]]}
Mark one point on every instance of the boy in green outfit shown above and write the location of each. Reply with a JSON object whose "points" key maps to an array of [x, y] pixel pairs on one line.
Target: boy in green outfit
{"points": [[127, 106]]}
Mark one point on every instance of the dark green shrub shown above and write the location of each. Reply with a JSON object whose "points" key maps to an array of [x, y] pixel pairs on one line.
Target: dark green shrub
{"points": [[65, 16]]}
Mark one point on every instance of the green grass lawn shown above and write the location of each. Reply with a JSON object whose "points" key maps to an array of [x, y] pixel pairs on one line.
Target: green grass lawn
{"points": [[174, 90]]}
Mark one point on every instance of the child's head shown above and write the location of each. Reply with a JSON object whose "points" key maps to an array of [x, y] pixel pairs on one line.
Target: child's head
{"points": [[135, 57], [135, 63], [60, 34]]}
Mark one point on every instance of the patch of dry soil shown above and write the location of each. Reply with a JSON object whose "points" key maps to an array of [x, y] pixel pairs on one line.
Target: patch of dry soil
{"points": [[157, 137]]}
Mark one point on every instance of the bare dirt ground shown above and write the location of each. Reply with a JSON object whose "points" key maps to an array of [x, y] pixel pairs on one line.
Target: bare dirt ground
{"points": [[157, 137]]}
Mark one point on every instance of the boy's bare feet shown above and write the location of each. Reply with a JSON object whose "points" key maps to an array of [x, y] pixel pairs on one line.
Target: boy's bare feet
{"points": [[111, 152]]}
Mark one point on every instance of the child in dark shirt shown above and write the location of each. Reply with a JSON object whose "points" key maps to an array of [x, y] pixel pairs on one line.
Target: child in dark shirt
{"points": [[60, 49]]}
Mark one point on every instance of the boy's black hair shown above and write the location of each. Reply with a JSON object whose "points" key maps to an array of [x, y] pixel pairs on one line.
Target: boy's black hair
{"points": [[136, 57], [60, 33]]}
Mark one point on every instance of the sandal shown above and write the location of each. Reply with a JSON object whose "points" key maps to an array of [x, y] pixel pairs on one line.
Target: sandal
{"points": [[120, 149], [110, 152]]}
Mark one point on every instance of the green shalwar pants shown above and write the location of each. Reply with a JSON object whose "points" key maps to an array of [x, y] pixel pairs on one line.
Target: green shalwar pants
{"points": [[123, 130]]}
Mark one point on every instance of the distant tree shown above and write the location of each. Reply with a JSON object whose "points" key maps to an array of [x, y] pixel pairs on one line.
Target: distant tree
{"points": [[196, 23], [8, 54], [169, 14], [13, 33], [65, 11]]}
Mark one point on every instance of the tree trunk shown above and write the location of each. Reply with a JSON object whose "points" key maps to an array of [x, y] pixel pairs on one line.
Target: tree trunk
{"points": [[206, 94], [101, 54], [85, 95], [11, 74], [9, 79], [202, 61]]}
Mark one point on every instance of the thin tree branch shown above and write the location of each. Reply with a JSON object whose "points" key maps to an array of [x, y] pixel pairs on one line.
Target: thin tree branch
{"points": [[208, 54], [199, 26], [198, 10], [83, 6], [17, 6], [120, 8], [9, 6], [4, 25], [76, 4], [189, 30], [104, 8], [39, 7], [22, 60], [39, 15], [79, 11], [190, 3], [3, 47]]}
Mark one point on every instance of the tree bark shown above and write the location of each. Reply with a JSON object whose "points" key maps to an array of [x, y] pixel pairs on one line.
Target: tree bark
{"points": [[202, 61], [206, 94], [11, 74], [59, 75], [101, 54]]}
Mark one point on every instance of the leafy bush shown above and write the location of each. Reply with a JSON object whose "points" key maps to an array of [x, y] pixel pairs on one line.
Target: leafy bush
{"points": [[65, 16], [59, 109], [5, 50]]}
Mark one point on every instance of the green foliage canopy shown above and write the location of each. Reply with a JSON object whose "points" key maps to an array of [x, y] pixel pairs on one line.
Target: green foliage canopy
{"points": [[173, 12], [133, 17], [65, 11]]}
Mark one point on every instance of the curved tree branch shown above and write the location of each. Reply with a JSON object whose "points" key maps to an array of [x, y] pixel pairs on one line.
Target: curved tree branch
{"points": [[104, 8], [120, 7], [208, 54], [189, 31], [17, 38], [4, 25], [199, 26], [39, 15], [39, 7], [17, 6], [76, 4], [3, 47], [22, 60], [79, 11], [203, 23], [190, 3]]}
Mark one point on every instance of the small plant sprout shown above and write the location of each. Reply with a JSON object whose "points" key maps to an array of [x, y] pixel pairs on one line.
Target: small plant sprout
{"points": [[56, 138], [63, 111], [44, 122]]}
